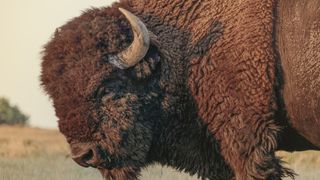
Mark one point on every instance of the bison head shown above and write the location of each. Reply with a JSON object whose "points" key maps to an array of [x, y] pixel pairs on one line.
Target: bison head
{"points": [[100, 70]]}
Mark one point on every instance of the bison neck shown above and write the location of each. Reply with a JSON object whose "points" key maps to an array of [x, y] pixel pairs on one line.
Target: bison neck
{"points": [[298, 40], [184, 143]]}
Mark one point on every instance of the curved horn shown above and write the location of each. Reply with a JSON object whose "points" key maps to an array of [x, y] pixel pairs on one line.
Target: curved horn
{"points": [[139, 47]]}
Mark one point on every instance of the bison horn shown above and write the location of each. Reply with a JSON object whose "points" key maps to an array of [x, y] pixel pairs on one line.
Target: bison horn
{"points": [[138, 48]]}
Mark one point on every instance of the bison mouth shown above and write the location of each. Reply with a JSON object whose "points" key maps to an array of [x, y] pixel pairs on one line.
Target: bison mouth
{"points": [[110, 166], [105, 161], [92, 155], [111, 162]]}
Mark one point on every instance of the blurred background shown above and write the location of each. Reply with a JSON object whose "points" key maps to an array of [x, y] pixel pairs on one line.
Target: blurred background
{"points": [[25, 27], [31, 147]]}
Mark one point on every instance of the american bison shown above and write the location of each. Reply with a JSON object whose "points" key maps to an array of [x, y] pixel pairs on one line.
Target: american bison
{"points": [[210, 87]]}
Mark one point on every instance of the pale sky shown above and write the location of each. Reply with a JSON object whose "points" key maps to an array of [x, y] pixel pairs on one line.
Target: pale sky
{"points": [[25, 27]]}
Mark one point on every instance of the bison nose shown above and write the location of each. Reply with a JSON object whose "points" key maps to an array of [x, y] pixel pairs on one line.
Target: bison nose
{"points": [[86, 155]]}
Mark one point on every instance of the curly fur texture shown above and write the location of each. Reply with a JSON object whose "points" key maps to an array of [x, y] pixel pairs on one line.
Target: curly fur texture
{"points": [[234, 88], [202, 100]]}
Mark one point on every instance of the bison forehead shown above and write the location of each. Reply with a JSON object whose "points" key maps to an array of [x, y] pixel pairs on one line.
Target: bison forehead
{"points": [[75, 59]]}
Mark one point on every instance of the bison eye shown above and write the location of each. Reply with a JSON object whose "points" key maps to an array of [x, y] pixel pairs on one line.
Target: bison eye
{"points": [[108, 96]]}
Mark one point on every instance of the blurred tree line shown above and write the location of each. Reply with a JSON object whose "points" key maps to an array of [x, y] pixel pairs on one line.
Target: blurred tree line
{"points": [[10, 114]]}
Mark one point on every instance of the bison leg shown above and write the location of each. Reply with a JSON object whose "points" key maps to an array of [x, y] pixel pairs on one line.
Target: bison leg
{"points": [[249, 148]]}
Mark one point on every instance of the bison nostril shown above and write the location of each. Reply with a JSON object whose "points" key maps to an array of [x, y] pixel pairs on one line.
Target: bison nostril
{"points": [[86, 155], [80, 161], [92, 157]]}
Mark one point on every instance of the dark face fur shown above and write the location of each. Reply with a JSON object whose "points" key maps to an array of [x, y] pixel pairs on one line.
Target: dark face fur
{"points": [[106, 114]]}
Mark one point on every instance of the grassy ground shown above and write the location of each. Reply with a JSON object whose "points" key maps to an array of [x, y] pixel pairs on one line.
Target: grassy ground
{"points": [[36, 154]]}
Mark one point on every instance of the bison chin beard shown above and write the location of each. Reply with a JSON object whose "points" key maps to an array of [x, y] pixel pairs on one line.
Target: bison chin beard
{"points": [[122, 173], [132, 155]]}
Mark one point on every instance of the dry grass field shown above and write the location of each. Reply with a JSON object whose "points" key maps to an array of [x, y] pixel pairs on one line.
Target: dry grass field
{"points": [[37, 154]]}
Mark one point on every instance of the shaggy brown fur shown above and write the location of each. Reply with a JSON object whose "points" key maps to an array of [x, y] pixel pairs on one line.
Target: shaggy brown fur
{"points": [[234, 88], [203, 99]]}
